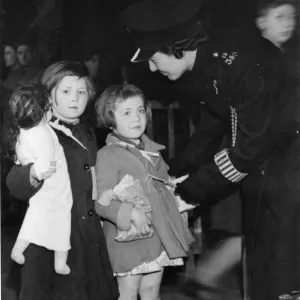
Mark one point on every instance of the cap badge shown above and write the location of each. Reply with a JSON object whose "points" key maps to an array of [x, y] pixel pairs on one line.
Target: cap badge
{"points": [[229, 57]]}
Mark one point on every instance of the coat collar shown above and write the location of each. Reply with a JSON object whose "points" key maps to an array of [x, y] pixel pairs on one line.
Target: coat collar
{"points": [[150, 146]]}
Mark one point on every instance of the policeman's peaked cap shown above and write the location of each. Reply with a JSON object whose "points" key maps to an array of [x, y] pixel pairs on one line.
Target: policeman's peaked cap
{"points": [[155, 24]]}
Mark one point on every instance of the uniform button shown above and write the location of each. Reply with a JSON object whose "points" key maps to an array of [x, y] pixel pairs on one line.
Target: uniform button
{"points": [[87, 167], [262, 172], [83, 217], [91, 212], [297, 131]]}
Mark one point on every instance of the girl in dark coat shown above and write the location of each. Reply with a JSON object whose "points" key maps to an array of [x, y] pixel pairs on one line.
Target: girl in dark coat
{"points": [[91, 276]]}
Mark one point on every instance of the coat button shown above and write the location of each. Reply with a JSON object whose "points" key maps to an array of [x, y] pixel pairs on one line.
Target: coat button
{"points": [[83, 217], [262, 172], [91, 212], [87, 167], [297, 131]]}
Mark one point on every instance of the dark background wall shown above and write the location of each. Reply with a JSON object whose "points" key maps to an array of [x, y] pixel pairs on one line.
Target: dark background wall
{"points": [[60, 31], [73, 18]]}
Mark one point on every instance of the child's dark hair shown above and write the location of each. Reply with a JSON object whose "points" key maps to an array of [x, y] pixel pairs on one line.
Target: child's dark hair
{"points": [[27, 106], [265, 5], [105, 104]]}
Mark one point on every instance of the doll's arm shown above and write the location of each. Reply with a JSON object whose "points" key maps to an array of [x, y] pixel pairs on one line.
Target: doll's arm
{"points": [[43, 146]]}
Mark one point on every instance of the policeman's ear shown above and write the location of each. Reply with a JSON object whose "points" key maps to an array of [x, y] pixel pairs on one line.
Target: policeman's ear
{"points": [[260, 23], [178, 53]]}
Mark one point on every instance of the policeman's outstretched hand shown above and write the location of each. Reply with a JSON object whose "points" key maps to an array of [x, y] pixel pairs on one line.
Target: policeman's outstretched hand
{"points": [[190, 190]]}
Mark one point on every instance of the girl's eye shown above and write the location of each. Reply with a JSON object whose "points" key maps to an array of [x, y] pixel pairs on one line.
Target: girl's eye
{"points": [[65, 91], [142, 111], [127, 113], [82, 92]]}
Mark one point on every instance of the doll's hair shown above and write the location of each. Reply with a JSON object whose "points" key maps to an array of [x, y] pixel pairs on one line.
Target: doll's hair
{"points": [[105, 104], [264, 6], [27, 107], [55, 73]]}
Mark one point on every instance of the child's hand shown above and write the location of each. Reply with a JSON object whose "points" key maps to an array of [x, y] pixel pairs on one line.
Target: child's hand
{"points": [[140, 221]]}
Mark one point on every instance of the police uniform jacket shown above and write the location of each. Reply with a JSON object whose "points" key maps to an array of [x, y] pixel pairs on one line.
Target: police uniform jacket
{"points": [[239, 89], [248, 138]]}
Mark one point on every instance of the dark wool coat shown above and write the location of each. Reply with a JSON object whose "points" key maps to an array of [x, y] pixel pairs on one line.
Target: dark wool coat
{"points": [[91, 275]]}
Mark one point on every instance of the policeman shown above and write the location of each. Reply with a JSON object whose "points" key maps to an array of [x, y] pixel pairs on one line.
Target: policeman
{"points": [[239, 87], [236, 87]]}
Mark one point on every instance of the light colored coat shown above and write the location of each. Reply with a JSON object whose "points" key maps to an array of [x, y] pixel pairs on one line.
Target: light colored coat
{"points": [[171, 234]]}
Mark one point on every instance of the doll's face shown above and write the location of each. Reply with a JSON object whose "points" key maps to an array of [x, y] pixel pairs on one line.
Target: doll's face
{"points": [[278, 24], [70, 98], [130, 117]]}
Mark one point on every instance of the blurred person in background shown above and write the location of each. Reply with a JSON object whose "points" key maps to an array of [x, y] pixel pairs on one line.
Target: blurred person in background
{"points": [[26, 53], [104, 70], [11, 209]]}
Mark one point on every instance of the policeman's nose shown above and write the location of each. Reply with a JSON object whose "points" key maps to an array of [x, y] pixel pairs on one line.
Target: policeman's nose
{"points": [[152, 66]]}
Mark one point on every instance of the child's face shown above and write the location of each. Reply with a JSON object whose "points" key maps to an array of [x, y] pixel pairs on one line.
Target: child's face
{"points": [[70, 98], [278, 24], [130, 116]]}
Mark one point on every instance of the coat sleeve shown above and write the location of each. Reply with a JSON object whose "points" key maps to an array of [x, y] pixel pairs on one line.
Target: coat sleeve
{"points": [[253, 145], [19, 184], [204, 142], [116, 211]]}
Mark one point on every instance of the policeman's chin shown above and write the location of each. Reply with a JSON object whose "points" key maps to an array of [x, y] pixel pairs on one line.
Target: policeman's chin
{"points": [[173, 77]]}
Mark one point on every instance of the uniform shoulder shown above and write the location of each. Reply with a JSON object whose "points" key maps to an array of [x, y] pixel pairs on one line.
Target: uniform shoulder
{"points": [[235, 48]]}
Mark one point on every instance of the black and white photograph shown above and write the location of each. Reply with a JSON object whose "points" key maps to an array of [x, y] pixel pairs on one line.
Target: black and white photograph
{"points": [[150, 149]]}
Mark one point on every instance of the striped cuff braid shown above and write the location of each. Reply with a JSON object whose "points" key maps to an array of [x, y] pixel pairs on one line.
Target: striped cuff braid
{"points": [[226, 167]]}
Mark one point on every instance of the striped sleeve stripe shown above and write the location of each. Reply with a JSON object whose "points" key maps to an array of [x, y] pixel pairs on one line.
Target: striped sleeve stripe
{"points": [[226, 167]]}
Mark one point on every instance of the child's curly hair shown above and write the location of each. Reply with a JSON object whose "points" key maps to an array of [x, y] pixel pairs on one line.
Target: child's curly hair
{"points": [[27, 107]]}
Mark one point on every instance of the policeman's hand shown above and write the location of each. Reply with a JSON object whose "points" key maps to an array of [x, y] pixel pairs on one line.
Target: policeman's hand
{"points": [[190, 190], [140, 221]]}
